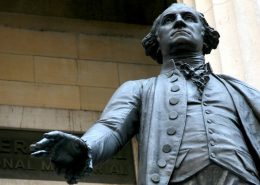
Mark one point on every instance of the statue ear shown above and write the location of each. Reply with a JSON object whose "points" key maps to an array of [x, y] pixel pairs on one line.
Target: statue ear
{"points": [[157, 36], [202, 33]]}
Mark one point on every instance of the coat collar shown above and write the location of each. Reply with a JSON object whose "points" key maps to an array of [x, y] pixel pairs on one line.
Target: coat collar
{"points": [[169, 67]]}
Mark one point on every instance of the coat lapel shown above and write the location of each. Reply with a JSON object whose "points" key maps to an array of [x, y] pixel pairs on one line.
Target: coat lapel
{"points": [[247, 103]]}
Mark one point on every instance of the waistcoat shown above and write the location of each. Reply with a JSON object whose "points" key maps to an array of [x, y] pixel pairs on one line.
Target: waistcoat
{"points": [[212, 134]]}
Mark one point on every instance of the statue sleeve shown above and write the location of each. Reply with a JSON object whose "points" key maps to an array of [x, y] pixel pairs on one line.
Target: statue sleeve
{"points": [[118, 123]]}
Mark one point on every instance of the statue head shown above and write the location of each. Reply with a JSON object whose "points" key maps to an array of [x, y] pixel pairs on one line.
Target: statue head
{"points": [[180, 28]]}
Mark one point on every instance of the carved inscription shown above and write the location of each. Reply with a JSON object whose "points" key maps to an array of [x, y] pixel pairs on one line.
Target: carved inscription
{"points": [[15, 161]]}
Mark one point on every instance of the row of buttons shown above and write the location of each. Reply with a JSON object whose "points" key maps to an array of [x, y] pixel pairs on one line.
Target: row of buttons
{"points": [[172, 116], [209, 121], [211, 131], [170, 131]]}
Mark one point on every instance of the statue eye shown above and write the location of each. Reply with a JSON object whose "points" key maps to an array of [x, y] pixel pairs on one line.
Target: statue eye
{"points": [[167, 20], [189, 17]]}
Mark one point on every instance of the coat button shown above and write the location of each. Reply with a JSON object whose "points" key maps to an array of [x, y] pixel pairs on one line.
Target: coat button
{"points": [[175, 88], [209, 121], [174, 78], [211, 131], [169, 74], [171, 131], [155, 178], [173, 115], [207, 95], [174, 101], [205, 104], [166, 148], [213, 155], [212, 143], [207, 111], [161, 163]]}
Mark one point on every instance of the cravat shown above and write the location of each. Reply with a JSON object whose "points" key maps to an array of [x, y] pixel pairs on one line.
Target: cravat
{"points": [[198, 75]]}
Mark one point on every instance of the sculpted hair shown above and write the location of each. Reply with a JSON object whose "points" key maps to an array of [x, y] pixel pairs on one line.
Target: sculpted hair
{"points": [[151, 45]]}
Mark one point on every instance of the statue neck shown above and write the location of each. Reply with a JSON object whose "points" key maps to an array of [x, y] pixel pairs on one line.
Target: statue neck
{"points": [[194, 59]]}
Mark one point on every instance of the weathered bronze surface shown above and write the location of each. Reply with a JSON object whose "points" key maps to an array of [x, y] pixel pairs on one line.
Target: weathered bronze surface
{"points": [[193, 126]]}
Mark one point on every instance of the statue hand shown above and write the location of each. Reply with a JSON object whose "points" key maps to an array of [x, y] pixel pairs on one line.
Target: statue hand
{"points": [[68, 153]]}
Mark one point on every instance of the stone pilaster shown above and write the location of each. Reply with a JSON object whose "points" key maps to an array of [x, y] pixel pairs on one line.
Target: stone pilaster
{"points": [[229, 47], [248, 29], [206, 8]]}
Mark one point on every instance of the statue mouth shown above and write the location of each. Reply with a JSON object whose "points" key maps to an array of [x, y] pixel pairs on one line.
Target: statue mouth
{"points": [[180, 32]]}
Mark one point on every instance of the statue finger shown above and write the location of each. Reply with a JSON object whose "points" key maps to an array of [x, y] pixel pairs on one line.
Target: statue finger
{"points": [[40, 153], [55, 135], [43, 144], [71, 178], [33, 148]]}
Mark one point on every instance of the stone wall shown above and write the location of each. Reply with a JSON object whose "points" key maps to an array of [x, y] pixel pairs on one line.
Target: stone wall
{"points": [[67, 68], [58, 73]]}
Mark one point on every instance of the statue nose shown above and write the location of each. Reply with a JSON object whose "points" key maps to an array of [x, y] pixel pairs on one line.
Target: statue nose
{"points": [[179, 22]]}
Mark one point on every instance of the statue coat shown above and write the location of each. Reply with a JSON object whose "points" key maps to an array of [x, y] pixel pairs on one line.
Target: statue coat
{"points": [[141, 108]]}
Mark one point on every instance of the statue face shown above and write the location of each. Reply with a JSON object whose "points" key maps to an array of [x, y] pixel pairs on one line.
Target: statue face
{"points": [[180, 30]]}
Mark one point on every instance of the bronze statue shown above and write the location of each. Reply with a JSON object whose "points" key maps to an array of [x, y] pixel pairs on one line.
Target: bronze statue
{"points": [[193, 127]]}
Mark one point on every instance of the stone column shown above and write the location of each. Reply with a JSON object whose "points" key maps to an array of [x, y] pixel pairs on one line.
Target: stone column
{"points": [[206, 8], [229, 47], [248, 29], [189, 2]]}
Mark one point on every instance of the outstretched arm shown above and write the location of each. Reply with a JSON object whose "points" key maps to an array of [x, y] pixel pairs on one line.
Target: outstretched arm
{"points": [[75, 156], [119, 122]]}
